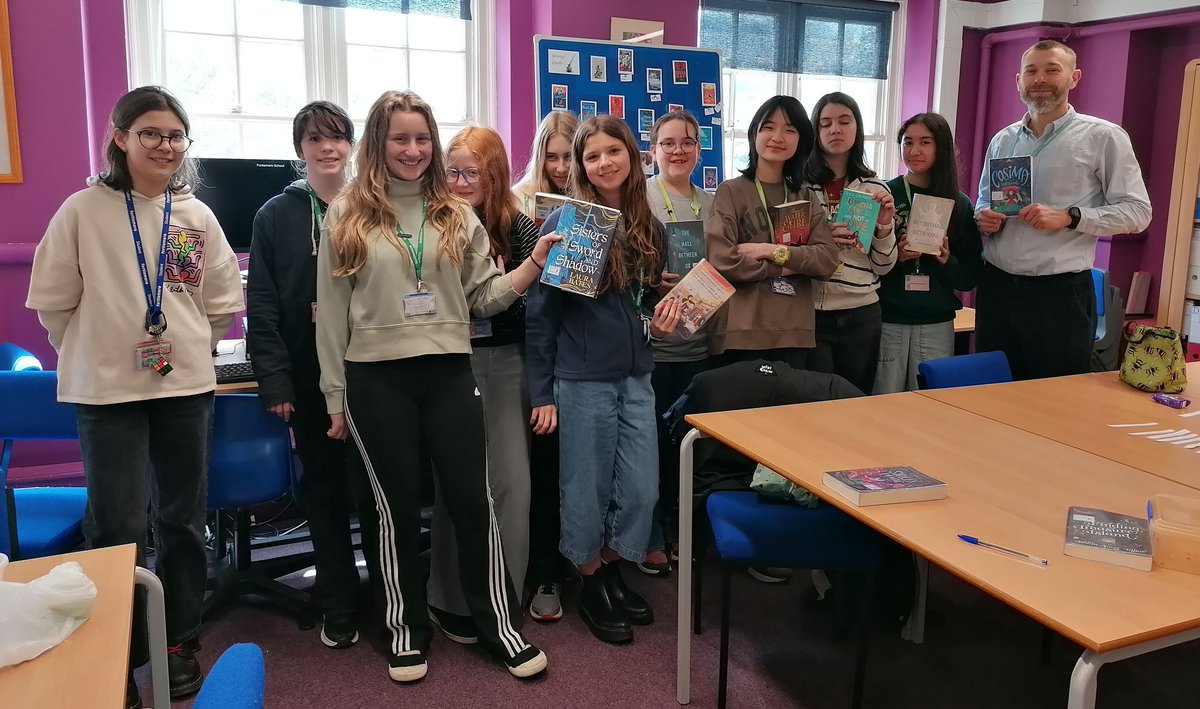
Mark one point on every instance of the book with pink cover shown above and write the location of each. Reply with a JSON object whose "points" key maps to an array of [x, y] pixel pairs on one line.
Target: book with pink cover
{"points": [[702, 292]]}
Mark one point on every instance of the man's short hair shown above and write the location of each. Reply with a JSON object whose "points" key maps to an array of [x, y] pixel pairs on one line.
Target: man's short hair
{"points": [[1048, 44]]}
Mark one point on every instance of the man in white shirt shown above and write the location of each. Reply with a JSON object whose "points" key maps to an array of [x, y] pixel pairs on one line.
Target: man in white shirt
{"points": [[1035, 299]]}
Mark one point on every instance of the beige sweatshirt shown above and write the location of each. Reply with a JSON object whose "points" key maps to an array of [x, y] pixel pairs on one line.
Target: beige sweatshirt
{"points": [[87, 288], [361, 318]]}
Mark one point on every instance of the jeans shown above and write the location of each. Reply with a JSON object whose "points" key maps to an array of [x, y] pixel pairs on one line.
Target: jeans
{"points": [[903, 347], [152, 453], [669, 380], [609, 466]]}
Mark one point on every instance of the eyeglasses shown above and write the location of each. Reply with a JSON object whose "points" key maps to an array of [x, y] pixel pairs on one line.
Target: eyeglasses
{"points": [[687, 146], [471, 174], [151, 139]]}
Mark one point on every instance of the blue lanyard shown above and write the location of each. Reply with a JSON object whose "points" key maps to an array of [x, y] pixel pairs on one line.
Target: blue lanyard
{"points": [[156, 321], [1044, 143]]}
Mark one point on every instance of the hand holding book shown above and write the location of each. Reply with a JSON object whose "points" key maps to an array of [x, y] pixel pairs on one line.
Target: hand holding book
{"points": [[666, 318], [842, 236]]}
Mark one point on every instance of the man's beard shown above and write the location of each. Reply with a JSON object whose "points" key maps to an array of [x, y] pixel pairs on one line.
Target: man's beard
{"points": [[1042, 104]]}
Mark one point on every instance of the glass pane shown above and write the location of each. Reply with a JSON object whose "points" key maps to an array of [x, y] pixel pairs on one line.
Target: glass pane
{"points": [[812, 88], [716, 31], [822, 53], [739, 157], [280, 91], [267, 139], [383, 29], [751, 89], [276, 19], [370, 71], [866, 93], [214, 17], [445, 33], [215, 138], [861, 50], [874, 154], [201, 71], [756, 41], [441, 79]]}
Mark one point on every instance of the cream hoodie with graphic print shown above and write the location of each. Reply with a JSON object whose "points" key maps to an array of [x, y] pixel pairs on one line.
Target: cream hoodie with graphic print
{"points": [[87, 288]]}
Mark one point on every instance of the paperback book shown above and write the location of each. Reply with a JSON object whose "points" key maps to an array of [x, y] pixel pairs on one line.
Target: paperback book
{"points": [[880, 486], [576, 263], [858, 212], [1012, 183], [791, 223], [543, 204], [701, 293], [685, 246], [1110, 537], [928, 223]]}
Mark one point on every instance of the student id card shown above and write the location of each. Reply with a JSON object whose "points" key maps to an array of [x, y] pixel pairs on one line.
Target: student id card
{"points": [[917, 282], [148, 354], [782, 286], [420, 303], [481, 328]]}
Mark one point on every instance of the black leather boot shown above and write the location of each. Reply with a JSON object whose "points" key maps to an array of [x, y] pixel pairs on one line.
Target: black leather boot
{"points": [[635, 606], [183, 669], [604, 617]]}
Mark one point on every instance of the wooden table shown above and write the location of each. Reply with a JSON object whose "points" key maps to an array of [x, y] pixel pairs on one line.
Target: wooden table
{"points": [[964, 321], [1078, 411], [1006, 486], [90, 667]]}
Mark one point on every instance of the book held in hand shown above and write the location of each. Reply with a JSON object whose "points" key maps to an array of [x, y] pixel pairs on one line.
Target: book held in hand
{"points": [[685, 246], [543, 204], [791, 223], [1110, 537], [576, 263], [859, 213], [928, 223], [701, 293], [880, 486], [1012, 183]]}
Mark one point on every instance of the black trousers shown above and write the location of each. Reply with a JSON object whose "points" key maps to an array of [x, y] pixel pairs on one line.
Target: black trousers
{"points": [[1045, 325], [390, 408], [848, 344], [669, 380], [546, 562]]}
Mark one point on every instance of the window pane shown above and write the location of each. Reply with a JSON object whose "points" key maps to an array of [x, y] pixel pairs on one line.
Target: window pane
{"points": [[215, 16], [445, 33], [751, 89], [822, 54], [861, 50], [383, 29], [874, 154], [441, 79], [201, 71], [370, 71], [716, 31], [756, 40], [866, 93], [215, 138], [272, 93], [267, 139], [739, 158], [276, 19], [812, 88]]}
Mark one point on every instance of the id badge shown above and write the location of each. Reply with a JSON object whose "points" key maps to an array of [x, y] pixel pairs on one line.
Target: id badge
{"points": [[917, 282], [153, 354], [782, 286], [314, 311], [481, 328], [421, 303]]}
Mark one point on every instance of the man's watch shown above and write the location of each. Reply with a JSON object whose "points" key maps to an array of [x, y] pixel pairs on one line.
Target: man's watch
{"points": [[781, 255], [1073, 212]]}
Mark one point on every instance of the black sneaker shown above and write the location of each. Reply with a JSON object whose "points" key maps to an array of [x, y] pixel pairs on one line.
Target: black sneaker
{"points": [[409, 667], [526, 663], [339, 631], [183, 670], [133, 698], [459, 628]]}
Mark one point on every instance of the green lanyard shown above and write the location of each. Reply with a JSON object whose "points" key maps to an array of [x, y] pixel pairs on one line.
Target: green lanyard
{"points": [[908, 194], [762, 197], [695, 200], [316, 205], [418, 253], [636, 297], [1042, 145]]}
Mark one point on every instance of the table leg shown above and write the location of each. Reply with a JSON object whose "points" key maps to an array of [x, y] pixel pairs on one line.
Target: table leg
{"points": [[683, 667], [1087, 669], [156, 626], [914, 629]]}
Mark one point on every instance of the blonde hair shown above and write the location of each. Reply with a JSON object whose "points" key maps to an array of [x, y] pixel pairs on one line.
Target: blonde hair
{"points": [[499, 207], [364, 202], [562, 123]]}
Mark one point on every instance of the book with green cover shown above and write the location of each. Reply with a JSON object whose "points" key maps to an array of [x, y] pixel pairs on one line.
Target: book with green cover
{"points": [[685, 246], [859, 212]]}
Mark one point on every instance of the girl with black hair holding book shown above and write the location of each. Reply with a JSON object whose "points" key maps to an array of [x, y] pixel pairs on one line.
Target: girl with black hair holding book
{"points": [[918, 296], [403, 267], [589, 374], [770, 315], [848, 318]]}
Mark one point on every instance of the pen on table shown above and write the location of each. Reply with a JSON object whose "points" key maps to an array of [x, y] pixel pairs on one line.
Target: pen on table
{"points": [[1004, 550]]}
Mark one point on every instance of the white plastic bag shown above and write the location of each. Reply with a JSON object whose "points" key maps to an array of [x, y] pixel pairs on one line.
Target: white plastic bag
{"points": [[38, 615]]}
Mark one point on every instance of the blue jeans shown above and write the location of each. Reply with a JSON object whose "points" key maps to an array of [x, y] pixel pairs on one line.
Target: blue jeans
{"points": [[609, 466], [903, 347]]}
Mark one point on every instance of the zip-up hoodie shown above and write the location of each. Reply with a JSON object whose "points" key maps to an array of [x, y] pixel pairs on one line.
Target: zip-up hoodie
{"points": [[87, 288], [361, 318], [854, 283]]}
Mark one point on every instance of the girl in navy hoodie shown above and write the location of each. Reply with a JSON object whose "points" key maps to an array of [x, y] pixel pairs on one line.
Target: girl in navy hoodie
{"points": [[589, 365]]}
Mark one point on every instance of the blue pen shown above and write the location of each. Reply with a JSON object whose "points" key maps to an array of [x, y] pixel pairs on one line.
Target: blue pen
{"points": [[1003, 550]]}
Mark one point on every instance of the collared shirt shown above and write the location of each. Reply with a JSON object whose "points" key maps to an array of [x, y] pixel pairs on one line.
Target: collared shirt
{"points": [[1091, 165]]}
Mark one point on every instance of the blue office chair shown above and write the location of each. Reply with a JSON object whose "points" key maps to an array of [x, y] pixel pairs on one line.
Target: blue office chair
{"points": [[1100, 284], [750, 530], [36, 521], [964, 371], [236, 681], [17, 359]]}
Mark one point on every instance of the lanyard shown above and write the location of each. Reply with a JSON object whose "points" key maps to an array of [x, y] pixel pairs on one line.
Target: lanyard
{"points": [[156, 320], [671, 209], [1042, 145], [418, 253], [762, 198], [316, 205], [636, 297]]}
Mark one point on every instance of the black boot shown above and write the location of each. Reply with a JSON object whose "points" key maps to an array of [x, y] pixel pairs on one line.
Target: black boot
{"points": [[184, 670], [604, 617], [635, 606], [133, 699]]}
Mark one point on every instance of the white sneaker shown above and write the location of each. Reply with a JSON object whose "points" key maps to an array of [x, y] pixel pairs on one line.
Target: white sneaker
{"points": [[527, 663], [407, 667], [546, 606]]}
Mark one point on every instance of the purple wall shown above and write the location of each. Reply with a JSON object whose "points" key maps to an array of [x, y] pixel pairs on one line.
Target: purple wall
{"points": [[920, 57]]}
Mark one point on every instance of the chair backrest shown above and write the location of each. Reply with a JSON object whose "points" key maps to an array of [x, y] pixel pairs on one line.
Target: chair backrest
{"points": [[1100, 286], [251, 458], [965, 370], [14, 358], [236, 681]]}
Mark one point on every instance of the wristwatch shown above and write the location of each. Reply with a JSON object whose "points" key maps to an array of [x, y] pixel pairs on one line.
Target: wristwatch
{"points": [[1073, 212], [781, 255]]}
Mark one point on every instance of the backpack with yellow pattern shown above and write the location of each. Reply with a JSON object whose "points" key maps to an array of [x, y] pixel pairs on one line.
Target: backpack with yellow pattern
{"points": [[1154, 360]]}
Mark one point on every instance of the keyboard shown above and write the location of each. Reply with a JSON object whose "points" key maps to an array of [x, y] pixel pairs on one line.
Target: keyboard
{"points": [[234, 372]]}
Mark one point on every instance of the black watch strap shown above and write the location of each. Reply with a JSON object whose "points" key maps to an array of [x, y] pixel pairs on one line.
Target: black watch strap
{"points": [[1075, 217]]}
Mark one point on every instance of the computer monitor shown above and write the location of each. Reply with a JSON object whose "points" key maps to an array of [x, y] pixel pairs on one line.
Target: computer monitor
{"points": [[235, 188]]}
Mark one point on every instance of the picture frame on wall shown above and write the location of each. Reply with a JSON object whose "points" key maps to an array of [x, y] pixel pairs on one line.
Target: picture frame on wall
{"points": [[10, 150], [625, 29]]}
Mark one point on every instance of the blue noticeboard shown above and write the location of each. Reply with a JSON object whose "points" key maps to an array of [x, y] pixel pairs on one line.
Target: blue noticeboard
{"points": [[580, 75]]}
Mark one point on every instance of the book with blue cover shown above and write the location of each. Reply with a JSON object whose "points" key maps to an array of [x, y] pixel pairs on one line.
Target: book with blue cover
{"points": [[859, 213], [1012, 183], [576, 263]]}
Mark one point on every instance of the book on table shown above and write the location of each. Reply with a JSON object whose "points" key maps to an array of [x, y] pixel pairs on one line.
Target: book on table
{"points": [[791, 222], [859, 213], [928, 223], [881, 486], [576, 263], [701, 293], [1100, 535], [685, 246], [543, 204], [1011, 181]]}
